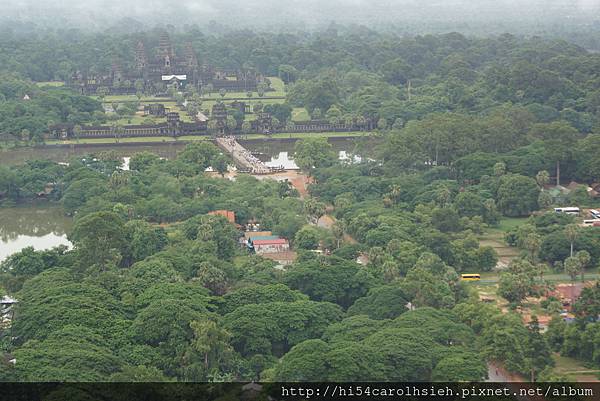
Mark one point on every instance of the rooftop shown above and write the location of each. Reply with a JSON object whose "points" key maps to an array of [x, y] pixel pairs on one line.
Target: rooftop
{"points": [[6, 300], [177, 77], [263, 237], [252, 234], [278, 241], [228, 214]]}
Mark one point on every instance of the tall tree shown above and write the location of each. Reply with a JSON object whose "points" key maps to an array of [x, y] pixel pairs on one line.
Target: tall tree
{"points": [[537, 351], [573, 267], [559, 138], [98, 239], [572, 232], [313, 153], [211, 341]]}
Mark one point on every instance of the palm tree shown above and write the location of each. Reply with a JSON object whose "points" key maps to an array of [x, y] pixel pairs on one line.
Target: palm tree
{"points": [[585, 259], [499, 169], [390, 271], [532, 244], [210, 340], [117, 130], [572, 232], [338, 232], [394, 193], [542, 178], [77, 132]]}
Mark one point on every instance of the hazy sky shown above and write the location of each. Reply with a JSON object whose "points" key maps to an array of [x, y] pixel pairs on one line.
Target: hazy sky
{"points": [[264, 13]]}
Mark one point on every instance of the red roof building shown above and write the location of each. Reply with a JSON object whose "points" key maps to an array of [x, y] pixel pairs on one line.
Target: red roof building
{"points": [[228, 214], [271, 245]]}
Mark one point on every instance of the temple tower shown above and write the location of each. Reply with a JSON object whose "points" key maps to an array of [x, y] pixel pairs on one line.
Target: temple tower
{"points": [[165, 49], [141, 61]]}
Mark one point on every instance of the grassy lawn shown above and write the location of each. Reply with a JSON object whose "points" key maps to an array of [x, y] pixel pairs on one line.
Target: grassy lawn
{"points": [[203, 138], [300, 135], [50, 83], [276, 84], [300, 114], [195, 138], [133, 98], [574, 369], [113, 140], [494, 237], [509, 223], [207, 104], [139, 120], [152, 139], [242, 96]]}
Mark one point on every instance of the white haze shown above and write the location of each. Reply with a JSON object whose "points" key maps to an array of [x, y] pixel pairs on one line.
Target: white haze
{"points": [[275, 14]]}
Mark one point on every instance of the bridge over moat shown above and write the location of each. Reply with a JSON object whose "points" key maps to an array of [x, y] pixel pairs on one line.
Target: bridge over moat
{"points": [[242, 157]]}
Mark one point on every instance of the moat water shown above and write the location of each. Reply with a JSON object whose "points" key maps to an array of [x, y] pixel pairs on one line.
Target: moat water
{"points": [[274, 152], [38, 226]]}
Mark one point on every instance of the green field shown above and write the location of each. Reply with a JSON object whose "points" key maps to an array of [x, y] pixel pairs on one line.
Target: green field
{"points": [[276, 84], [300, 114], [139, 120], [132, 98], [207, 104], [574, 369], [494, 237], [113, 140], [509, 223], [204, 138], [300, 135], [50, 83]]}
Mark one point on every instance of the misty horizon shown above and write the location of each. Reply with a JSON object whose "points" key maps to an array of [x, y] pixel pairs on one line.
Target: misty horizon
{"points": [[420, 16]]}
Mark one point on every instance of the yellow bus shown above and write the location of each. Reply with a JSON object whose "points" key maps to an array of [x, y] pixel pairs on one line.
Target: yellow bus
{"points": [[470, 277]]}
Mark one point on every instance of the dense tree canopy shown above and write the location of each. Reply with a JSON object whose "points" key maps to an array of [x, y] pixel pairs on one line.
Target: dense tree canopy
{"points": [[469, 131]]}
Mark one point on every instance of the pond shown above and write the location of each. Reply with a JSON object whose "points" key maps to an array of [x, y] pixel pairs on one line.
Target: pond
{"points": [[42, 227]]}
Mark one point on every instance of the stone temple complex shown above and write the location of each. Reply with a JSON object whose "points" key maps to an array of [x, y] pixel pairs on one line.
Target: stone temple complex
{"points": [[153, 69]]}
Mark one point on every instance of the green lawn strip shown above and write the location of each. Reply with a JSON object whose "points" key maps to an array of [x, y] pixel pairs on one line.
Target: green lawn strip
{"points": [[509, 223], [564, 365], [55, 84], [132, 98], [83, 141], [276, 83], [300, 114], [139, 120], [300, 135], [242, 96], [143, 139], [195, 138]]}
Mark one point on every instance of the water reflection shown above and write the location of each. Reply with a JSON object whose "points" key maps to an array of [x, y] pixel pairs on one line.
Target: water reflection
{"points": [[276, 152], [39, 227], [286, 160]]}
